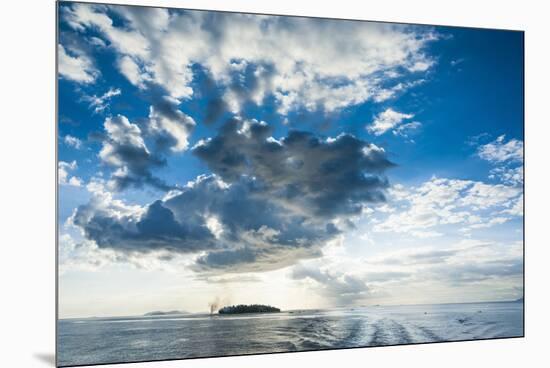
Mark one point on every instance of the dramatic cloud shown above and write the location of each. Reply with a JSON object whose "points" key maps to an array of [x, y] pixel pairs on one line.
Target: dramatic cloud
{"points": [[64, 169], [305, 174], [255, 234], [76, 66], [168, 125], [269, 203], [125, 146], [125, 151], [392, 120], [302, 63]]}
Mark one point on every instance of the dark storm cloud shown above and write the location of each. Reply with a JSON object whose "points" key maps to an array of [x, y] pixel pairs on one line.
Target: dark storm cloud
{"points": [[159, 228], [215, 109], [126, 180], [254, 259], [255, 233], [325, 178], [124, 150], [155, 229], [250, 85], [228, 258], [136, 149], [168, 126], [268, 204], [246, 86]]}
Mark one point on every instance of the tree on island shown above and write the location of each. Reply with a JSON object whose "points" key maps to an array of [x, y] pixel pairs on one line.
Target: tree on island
{"points": [[253, 308]]}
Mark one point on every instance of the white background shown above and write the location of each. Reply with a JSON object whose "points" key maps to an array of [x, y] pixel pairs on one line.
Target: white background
{"points": [[27, 185]]}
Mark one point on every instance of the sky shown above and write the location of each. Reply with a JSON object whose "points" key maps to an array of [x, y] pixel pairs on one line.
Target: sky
{"points": [[209, 157]]}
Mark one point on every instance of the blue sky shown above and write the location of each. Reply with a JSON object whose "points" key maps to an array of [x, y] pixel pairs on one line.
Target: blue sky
{"points": [[214, 149]]}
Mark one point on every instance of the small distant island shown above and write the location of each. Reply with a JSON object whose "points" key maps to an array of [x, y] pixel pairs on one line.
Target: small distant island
{"points": [[161, 313], [253, 308]]}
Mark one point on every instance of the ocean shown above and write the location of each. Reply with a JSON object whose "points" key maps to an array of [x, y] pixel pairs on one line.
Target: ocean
{"points": [[131, 339]]}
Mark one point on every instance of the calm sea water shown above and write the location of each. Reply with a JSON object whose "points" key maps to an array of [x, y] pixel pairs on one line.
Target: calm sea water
{"points": [[128, 339]]}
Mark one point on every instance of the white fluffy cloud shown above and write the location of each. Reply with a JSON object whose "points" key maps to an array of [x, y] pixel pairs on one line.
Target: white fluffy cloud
{"points": [[77, 67], [129, 68], [79, 254], [437, 202], [69, 140], [516, 209], [100, 103], [391, 120], [404, 130], [483, 196], [303, 63], [512, 176], [64, 177], [507, 159], [501, 151], [83, 16]]}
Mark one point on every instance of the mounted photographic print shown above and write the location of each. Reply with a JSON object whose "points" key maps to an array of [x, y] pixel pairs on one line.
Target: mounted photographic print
{"points": [[233, 184]]}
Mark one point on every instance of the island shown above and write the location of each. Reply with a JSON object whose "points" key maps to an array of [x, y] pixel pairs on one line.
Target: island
{"points": [[253, 308], [161, 313]]}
